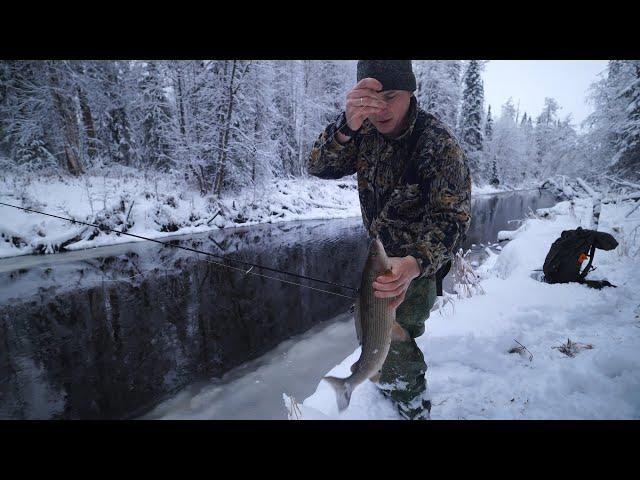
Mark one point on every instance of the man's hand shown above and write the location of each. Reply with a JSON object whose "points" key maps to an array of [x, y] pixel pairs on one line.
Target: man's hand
{"points": [[396, 283], [362, 100]]}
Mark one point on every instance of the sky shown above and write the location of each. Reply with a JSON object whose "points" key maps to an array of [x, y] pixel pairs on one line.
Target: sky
{"points": [[530, 81]]}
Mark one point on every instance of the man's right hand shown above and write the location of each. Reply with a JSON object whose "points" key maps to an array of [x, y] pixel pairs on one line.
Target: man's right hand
{"points": [[363, 100]]}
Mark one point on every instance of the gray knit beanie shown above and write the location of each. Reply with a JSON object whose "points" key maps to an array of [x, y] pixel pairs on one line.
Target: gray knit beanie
{"points": [[392, 74]]}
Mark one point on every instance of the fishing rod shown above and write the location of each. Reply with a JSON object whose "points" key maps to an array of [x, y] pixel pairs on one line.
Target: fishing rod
{"points": [[247, 272]]}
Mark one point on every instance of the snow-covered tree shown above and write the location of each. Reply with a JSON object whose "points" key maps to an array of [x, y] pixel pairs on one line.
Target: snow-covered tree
{"points": [[438, 88], [628, 154], [488, 125], [40, 117], [610, 116], [472, 107], [470, 127], [154, 117]]}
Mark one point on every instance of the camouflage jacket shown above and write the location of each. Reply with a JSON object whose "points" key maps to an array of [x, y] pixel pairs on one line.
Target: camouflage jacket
{"points": [[419, 206]]}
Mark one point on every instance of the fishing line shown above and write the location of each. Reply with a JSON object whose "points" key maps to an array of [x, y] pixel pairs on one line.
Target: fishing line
{"points": [[252, 265], [249, 272]]}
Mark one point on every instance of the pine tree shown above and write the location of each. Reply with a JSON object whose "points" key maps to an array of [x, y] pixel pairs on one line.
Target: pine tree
{"points": [[488, 126], [471, 115], [472, 107], [491, 160]]}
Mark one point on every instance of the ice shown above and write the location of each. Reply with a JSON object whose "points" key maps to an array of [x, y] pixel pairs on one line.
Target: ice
{"points": [[255, 389]]}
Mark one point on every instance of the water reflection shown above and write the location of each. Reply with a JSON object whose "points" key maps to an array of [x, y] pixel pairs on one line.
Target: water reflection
{"points": [[112, 336]]}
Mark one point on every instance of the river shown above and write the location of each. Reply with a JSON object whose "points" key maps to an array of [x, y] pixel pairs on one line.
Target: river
{"points": [[145, 331]]}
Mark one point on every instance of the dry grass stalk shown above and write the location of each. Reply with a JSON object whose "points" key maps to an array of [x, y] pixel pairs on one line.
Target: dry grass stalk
{"points": [[570, 348], [466, 282], [521, 349]]}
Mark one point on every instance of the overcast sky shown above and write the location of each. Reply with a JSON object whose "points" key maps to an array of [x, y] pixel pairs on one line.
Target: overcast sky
{"points": [[530, 81]]}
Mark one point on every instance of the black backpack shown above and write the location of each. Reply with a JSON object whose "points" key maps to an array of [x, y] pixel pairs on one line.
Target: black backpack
{"points": [[566, 255]]}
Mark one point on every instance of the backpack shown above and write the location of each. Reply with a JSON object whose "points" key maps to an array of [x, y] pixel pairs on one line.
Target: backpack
{"points": [[566, 255]]}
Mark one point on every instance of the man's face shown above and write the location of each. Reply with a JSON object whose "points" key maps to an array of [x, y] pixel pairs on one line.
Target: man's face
{"points": [[390, 120]]}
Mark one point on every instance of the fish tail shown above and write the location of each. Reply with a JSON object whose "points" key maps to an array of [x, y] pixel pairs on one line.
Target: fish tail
{"points": [[343, 391]]}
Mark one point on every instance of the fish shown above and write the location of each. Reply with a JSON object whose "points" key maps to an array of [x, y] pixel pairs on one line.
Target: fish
{"points": [[376, 327]]}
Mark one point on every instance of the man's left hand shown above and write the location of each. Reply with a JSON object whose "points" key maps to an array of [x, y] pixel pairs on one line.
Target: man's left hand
{"points": [[396, 283]]}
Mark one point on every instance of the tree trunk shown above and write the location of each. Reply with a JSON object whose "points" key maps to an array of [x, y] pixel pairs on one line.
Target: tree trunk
{"points": [[87, 120], [227, 129], [65, 111], [180, 102]]}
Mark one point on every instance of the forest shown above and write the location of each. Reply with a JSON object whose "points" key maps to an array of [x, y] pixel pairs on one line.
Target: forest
{"points": [[221, 125]]}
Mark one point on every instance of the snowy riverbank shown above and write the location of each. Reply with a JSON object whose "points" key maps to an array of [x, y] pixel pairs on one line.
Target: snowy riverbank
{"points": [[471, 373], [153, 208]]}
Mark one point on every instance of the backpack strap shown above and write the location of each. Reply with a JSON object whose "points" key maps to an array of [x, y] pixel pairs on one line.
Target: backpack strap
{"points": [[418, 129], [587, 269], [412, 144]]}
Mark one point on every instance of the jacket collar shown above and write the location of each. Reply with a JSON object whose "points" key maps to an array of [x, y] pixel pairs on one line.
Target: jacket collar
{"points": [[413, 115]]}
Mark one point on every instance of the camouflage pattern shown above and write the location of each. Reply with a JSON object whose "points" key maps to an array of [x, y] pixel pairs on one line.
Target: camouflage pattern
{"points": [[420, 206], [402, 377]]}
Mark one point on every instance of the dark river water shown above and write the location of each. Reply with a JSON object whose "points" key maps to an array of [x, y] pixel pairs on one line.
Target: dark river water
{"points": [[111, 333]]}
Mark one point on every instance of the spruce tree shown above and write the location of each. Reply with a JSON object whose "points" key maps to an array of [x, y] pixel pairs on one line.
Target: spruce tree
{"points": [[471, 115], [472, 100], [156, 119], [489, 154], [488, 126]]}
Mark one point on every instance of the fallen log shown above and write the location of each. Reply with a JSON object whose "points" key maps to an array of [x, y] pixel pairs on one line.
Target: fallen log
{"points": [[585, 186], [630, 196]]}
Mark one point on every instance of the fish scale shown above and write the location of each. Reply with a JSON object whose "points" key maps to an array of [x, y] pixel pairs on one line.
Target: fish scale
{"points": [[375, 322]]}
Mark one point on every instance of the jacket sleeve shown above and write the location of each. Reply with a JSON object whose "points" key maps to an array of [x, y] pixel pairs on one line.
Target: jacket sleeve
{"points": [[427, 219], [329, 158]]}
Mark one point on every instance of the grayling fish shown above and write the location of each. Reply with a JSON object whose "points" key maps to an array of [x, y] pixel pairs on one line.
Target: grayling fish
{"points": [[375, 326]]}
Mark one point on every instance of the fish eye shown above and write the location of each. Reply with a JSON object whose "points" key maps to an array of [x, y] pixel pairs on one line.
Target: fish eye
{"points": [[373, 254]]}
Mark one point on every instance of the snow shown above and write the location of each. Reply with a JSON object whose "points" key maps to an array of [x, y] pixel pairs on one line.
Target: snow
{"points": [[159, 207], [156, 207], [471, 373], [487, 190]]}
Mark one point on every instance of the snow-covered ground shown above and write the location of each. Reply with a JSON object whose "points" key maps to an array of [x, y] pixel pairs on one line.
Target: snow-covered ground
{"points": [[151, 207], [471, 373]]}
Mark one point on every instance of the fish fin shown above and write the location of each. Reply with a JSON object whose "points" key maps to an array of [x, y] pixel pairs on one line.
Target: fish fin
{"points": [[376, 377], [355, 365], [356, 316], [399, 334], [342, 389]]}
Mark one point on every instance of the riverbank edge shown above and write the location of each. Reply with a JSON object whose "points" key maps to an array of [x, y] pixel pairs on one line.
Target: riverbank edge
{"points": [[147, 208]]}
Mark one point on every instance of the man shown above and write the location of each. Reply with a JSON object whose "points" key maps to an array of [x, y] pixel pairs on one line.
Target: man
{"points": [[415, 190]]}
